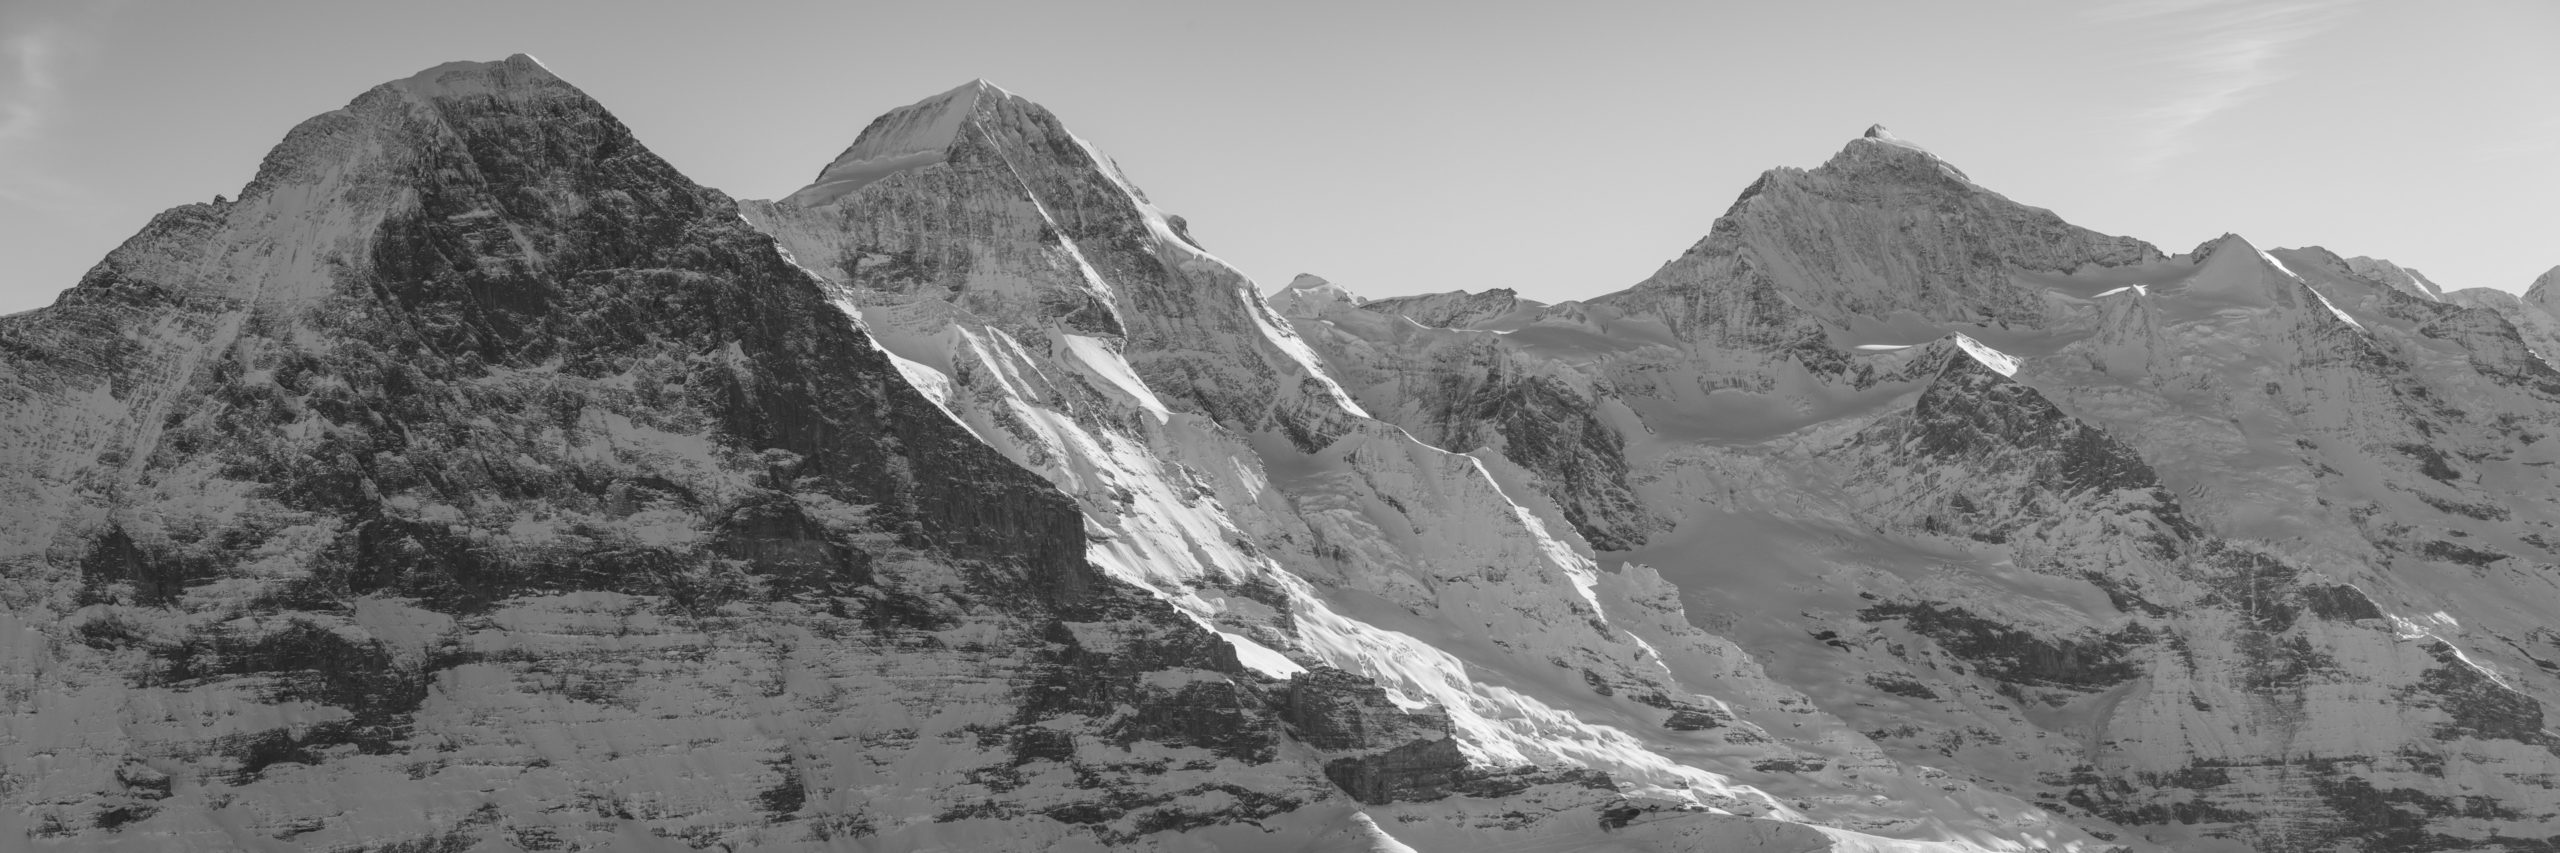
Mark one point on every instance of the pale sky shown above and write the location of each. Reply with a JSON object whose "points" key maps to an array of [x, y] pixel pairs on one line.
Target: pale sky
{"points": [[1403, 147]]}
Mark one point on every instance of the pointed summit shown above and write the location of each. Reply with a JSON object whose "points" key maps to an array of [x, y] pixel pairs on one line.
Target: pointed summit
{"points": [[1882, 228], [910, 137], [1879, 151], [1308, 281], [1997, 361], [1310, 296], [2232, 266], [360, 143], [1878, 133]]}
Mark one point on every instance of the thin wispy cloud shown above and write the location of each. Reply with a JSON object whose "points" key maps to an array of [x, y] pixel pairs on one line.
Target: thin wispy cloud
{"points": [[32, 66], [2542, 137], [2210, 57], [27, 95]]}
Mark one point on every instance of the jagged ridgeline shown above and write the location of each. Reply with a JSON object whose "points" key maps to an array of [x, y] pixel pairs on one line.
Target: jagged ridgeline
{"points": [[476, 481]]}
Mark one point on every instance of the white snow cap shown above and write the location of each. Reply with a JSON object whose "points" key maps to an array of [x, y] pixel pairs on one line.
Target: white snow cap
{"points": [[1308, 295], [1879, 134], [2000, 362], [908, 137]]}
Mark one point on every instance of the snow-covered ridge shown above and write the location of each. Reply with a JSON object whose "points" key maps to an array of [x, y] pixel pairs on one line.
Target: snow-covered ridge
{"points": [[1999, 362]]}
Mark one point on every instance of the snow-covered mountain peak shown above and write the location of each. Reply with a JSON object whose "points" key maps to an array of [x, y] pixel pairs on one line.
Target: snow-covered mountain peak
{"points": [[2230, 269], [1880, 151], [913, 136], [1310, 296], [1999, 362], [1309, 281], [2229, 248], [1878, 133], [1884, 228]]}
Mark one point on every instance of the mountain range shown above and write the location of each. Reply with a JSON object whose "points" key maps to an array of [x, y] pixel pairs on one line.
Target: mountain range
{"points": [[475, 481]]}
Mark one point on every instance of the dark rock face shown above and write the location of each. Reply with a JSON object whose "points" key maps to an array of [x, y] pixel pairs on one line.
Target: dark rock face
{"points": [[1971, 410], [1330, 709], [1401, 757], [2013, 656], [1421, 770], [1451, 311], [2025, 461], [1549, 429], [2475, 704]]}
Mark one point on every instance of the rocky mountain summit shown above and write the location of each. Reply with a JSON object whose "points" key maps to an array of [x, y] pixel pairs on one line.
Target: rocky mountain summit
{"points": [[476, 481]]}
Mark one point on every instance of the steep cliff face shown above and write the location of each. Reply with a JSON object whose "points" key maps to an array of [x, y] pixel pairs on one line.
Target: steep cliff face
{"points": [[475, 480], [2235, 548]]}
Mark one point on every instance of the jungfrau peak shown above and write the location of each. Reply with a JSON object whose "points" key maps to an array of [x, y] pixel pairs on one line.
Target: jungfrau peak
{"points": [[2216, 549], [475, 481]]}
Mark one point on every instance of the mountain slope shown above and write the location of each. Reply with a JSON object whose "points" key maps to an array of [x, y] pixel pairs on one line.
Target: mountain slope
{"points": [[1274, 508], [2215, 549], [475, 479]]}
